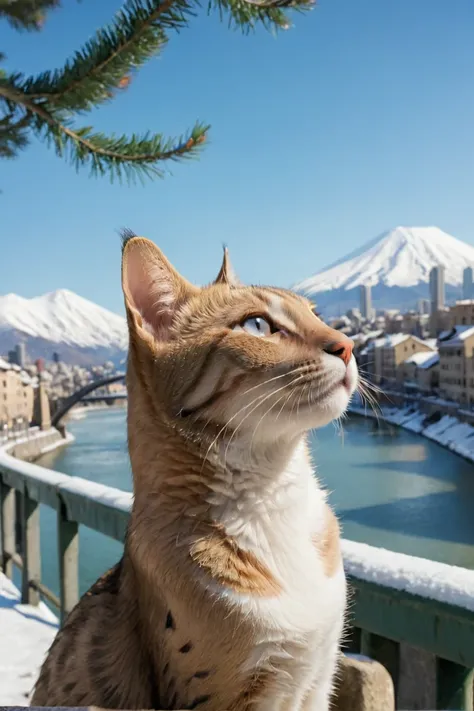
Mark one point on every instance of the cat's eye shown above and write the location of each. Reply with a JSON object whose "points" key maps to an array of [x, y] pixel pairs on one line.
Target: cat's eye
{"points": [[255, 326]]}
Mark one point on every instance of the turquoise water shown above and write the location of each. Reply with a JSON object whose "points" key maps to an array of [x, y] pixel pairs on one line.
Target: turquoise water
{"points": [[393, 489]]}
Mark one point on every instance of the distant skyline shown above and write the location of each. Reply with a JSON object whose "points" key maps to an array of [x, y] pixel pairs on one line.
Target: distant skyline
{"points": [[355, 121]]}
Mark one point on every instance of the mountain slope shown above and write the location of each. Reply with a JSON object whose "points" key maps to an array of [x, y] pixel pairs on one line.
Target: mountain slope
{"points": [[396, 264], [63, 322]]}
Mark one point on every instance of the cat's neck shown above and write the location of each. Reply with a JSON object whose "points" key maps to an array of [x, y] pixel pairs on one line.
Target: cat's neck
{"points": [[252, 490]]}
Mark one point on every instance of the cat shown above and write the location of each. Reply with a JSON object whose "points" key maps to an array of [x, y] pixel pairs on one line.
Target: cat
{"points": [[231, 592]]}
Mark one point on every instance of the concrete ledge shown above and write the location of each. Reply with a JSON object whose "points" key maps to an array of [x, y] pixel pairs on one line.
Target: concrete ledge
{"points": [[363, 685]]}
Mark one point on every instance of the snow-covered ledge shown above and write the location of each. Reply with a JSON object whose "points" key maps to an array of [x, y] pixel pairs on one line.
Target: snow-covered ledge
{"points": [[418, 576], [426, 578]]}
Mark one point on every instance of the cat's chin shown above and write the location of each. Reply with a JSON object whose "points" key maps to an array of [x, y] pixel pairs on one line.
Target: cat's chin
{"points": [[334, 405], [322, 413]]}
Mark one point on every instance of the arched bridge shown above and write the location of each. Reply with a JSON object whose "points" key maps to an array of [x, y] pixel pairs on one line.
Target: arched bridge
{"points": [[81, 393]]}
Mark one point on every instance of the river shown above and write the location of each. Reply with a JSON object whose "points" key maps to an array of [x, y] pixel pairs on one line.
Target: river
{"points": [[391, 488]]}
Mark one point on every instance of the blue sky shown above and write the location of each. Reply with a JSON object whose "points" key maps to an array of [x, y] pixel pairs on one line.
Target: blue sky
{"points": [[358, 119]]}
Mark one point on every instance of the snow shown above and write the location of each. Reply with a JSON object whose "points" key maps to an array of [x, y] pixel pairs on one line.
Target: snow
{"points": [[27, 632], [423, 360], [448, 431], [64, 317], [455, 336], [419, 576], [401, 257], [108, 495], [390, 341]]}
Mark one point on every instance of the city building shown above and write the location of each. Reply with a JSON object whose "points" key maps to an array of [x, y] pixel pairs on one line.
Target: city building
{"points": [[437, 288], [18, 355], [462, 313], [16, 395], [421, 372], [467, 290], [456, 363], [439, 321], [393, 322], [366, 302], [383, 356], [424, 306]]}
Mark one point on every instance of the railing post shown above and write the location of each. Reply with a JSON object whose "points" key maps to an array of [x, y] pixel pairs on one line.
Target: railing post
{"points": [[30, 550], [454, 686], [68, 551], [7, 510], [383, 650]]}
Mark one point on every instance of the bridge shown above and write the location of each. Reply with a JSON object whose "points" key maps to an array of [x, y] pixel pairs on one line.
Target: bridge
{"points": [[83, 393], [107, 397]]}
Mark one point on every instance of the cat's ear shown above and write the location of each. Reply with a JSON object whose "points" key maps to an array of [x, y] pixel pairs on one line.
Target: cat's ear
{"points": [[152, 287], [226, 274]]}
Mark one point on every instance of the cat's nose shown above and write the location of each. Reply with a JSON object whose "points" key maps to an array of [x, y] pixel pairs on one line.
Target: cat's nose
{"points": [[340, 349]]}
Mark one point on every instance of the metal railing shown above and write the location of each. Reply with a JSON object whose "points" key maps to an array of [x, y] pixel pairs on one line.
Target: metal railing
{"points": [[395, 605]]}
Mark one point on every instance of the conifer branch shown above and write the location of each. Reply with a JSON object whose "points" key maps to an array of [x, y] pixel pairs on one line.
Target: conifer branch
{"points": [[26, 14], [136, 34], [118, 154], [47, 103], [13, 136]]}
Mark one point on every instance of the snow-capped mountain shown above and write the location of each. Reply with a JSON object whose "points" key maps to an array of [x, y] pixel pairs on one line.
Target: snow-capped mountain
{"points": [[62, 322], [397, 265]]}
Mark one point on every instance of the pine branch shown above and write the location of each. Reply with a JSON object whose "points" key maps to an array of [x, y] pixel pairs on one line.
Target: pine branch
{"points": [[46, 103], [246, 14], [13, 136], [118, 155], [136, 34], [26, 14]]}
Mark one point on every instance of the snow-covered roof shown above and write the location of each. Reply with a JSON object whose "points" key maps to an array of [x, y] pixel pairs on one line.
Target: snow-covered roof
{"points": [[376, 343], [4, 365], [456, 336], [392, 340], [424, 360]]}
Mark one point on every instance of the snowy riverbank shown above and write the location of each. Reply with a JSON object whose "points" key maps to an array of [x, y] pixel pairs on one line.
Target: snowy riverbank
{"points": [[448, 431], [35, 442]]}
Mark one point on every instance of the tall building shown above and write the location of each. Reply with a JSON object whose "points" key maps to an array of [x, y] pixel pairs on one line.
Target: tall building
{"points": [[366, 301], [18, 355], [424, 306], [21, 354], [437, 288], [467, 290]]}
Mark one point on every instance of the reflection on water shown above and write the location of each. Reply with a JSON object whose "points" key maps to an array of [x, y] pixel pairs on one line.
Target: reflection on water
{"points": [[390, 487]]}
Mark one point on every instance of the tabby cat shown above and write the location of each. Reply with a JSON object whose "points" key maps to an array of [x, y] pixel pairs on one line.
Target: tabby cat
{"points": [[231, 592]]}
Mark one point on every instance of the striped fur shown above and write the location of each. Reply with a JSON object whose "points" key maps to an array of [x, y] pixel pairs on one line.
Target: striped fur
{"points": [[230, 593]]}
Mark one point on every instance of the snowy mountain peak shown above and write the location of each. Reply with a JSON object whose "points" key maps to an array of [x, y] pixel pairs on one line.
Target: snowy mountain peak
{"points": [[402, 257], [65, 318]]}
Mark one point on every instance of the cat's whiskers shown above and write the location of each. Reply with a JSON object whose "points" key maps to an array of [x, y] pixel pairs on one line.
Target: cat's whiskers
{"points": [[274, 392], [263, 395], [267, 412]]}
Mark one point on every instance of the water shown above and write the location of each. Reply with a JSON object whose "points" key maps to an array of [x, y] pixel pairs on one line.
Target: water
{"points": [[392, 489]]}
